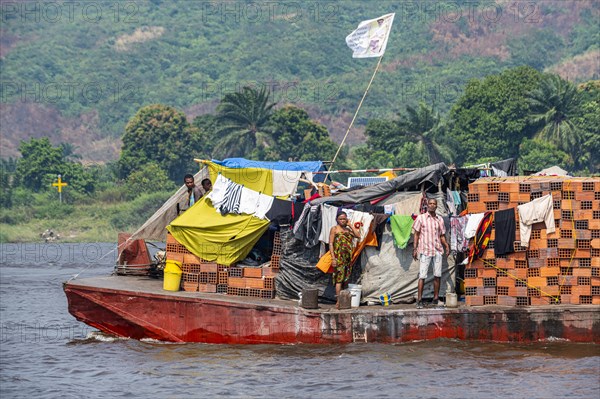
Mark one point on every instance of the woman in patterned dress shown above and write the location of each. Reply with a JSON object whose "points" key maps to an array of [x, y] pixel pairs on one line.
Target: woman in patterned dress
{"points": [[340, 243]]}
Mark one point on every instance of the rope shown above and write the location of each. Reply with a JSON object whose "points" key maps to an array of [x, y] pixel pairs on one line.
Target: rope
{"points": [[486, 262], [353, 118], [88, 266]]}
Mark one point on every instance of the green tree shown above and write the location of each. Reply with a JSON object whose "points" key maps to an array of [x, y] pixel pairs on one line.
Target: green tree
{"points": [[41, 163], [78, 178], [422, 125], [68, 150], [554, 106], [491, 118], [384, 135], [364, 157], [150, 179], [5, 188], [38, 158], [206, 137], [298, 138], [536, 154], [159, 134], [588, 122], [539, 49], [244, 122], [411, 155]]}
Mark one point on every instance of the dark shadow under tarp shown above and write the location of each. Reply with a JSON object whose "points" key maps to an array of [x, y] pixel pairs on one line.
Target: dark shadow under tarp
{"points": [[297, 270]]}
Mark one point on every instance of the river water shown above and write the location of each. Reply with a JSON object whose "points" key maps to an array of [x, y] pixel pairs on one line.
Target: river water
{"points": [[46, 353]]}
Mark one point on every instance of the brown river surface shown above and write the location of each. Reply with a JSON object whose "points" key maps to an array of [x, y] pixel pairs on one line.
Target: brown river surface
{"points": [[46, 353]]}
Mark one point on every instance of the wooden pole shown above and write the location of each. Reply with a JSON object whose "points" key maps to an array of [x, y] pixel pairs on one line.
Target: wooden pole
{"points": [[354, 117]]}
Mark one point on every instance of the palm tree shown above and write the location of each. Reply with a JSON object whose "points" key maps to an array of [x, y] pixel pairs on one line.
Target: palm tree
{"points": [[244, 121], [68, 150], [425, 126], [554, 105]]}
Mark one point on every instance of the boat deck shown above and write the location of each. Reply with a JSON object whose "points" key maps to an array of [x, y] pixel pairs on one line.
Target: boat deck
{"points": [[144, 285], [138, 307]]}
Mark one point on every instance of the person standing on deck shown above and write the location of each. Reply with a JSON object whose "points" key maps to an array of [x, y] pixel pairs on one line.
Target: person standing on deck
{"points": [[340, 243], [429, 233]]}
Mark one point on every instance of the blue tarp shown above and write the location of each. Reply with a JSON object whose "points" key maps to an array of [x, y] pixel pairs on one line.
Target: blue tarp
{"points": [[311, 166]]}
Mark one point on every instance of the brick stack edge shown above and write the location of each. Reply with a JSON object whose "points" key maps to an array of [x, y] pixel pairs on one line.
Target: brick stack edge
{"points": [[205, 276], [557, 268]]}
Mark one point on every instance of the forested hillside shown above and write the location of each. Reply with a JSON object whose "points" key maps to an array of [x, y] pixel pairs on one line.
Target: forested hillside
{"points": [[76, 72]]}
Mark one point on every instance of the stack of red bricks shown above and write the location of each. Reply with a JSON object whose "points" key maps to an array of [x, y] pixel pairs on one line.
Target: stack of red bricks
{"points": [[556, 268], [205, 276]]}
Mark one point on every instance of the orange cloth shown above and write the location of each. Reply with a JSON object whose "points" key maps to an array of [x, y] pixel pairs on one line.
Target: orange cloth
{"points": [[325, 262]]}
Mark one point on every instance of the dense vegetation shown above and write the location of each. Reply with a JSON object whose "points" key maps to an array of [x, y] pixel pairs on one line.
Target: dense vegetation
{"points": [[94, 66]]}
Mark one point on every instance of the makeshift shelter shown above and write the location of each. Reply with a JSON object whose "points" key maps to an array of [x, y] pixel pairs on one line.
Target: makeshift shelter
{"points": [[226, 238], [386, 269]]}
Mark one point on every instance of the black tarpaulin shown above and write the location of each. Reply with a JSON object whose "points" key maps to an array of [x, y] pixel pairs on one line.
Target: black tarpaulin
{"points": [[297, 270], [431, 174]]}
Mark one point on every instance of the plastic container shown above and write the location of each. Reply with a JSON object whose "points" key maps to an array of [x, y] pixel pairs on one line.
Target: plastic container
{"points": [[355, 292], [451, 300], [172, 273], [385, 299]]}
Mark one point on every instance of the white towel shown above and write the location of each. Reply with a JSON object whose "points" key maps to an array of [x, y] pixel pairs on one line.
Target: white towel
{"points": [[473, 224], [328, 220], [217, 195], [285, 182]]}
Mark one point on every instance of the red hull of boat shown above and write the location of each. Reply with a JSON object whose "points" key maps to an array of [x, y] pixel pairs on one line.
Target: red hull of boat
{"points": [[130, 307]]}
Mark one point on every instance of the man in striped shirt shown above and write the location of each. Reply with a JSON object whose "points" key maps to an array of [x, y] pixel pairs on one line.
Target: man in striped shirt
{"points": [[429, 237]]}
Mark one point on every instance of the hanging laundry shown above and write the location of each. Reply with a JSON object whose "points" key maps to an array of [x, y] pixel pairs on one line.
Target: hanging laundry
{"points": [[458, 242], [329, 219], [472, 224], [264, 205], [363, 218], [231, 202], [217, 195], [280, 212], [482, 237], [379, 220], [505, 224], [300, 224], [313, 226], [248, 201], [409, 205], [507, 167], [401, 229], [539, 210], [297, 209], [423, 207], [450, 202], [285, 182]]}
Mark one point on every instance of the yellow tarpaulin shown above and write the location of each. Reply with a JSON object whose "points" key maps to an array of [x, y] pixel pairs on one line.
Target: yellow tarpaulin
{"points": [[214, 237], [256, 179]]}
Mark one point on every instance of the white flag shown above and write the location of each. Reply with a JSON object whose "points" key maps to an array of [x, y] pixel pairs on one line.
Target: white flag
{"points": [[370, 38]]}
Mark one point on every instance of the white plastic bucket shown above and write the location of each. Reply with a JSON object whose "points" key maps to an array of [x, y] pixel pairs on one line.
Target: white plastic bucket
{"points": [[355, 292], [451, 300]]}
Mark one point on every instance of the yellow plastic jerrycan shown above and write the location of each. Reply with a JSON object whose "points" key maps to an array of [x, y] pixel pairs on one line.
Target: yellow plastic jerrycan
{"points": [[172, 275]]}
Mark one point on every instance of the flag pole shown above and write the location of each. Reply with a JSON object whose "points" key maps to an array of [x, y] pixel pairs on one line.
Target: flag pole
{"points": [[354, 117]]}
